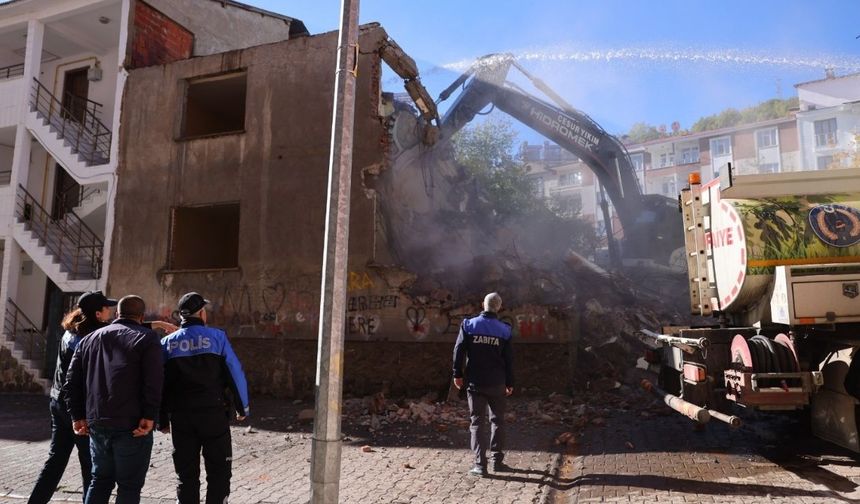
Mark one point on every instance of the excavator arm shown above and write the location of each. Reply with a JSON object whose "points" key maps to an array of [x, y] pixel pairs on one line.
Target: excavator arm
{"points": [[651, 224]]}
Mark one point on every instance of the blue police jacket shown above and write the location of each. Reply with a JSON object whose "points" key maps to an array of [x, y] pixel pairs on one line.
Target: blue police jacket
{"points": [[199, 367], [484, 343]]}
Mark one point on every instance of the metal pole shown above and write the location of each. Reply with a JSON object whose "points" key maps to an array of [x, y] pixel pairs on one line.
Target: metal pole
{"points": [[326, 444]]}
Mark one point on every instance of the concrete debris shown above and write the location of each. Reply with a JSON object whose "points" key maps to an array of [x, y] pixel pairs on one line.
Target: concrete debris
{"points": [[367, 449], [566, 438], [570, 413], [603, 385]]}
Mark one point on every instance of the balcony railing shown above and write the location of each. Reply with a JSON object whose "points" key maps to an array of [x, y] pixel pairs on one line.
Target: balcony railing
{"points": [[71, 197], [67, 238], [76, 122], [12, 71], [27, 337]]}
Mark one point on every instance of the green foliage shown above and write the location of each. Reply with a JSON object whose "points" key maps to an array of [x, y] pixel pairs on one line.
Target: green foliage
{"points": [[643, 132], [770, 109], [486, 147], [485, 150]]}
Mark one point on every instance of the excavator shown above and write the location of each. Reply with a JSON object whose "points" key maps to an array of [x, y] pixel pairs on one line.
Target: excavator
{"points": [[651, 224]]}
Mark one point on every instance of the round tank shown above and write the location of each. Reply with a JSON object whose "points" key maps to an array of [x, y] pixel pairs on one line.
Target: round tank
{"points": [[749, 238]]}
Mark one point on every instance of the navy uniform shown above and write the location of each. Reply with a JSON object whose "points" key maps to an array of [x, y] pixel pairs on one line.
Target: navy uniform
{"points": [[484, 343], [200, 366]]}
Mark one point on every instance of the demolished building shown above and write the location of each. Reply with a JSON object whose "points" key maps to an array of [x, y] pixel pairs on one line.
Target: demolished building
{"points": [[222, 190]]}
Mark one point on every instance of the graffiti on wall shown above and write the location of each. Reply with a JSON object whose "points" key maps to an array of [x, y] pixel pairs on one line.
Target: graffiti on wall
{"points": [[289, 309]]}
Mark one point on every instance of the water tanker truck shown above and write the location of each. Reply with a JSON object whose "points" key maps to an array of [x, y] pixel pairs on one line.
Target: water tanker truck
{"points": [[775, 259]]}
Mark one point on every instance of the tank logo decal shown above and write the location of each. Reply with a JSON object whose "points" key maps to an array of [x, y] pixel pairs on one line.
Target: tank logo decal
{"points": [[836, 225]]}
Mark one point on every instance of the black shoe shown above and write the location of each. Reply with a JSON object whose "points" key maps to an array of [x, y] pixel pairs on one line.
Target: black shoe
{"points": [[501, 467], [479, 471]]}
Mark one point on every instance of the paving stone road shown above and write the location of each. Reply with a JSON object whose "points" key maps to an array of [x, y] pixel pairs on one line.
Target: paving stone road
{"points": [[663, 459], [628, 459], [409, 463]]}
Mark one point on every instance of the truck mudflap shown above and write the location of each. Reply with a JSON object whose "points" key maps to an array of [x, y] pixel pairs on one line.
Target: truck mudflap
{"points": [[772, 391]]}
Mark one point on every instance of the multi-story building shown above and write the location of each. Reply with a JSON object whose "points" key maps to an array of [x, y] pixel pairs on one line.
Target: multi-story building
{"points": [[663, 165], [764, 147], [560, 176], [63, 69], [829, 122], [823, 134]]}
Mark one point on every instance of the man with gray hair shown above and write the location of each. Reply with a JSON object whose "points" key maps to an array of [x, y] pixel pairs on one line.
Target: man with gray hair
{"points": [[484, 345]]}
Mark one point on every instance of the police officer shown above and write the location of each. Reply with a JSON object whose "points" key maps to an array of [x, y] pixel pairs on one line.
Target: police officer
{"points": [[200, 367], [484, 343]]}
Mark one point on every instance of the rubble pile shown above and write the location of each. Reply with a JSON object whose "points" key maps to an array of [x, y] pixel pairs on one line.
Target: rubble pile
{"points": [[439, 225], [571, 414]]}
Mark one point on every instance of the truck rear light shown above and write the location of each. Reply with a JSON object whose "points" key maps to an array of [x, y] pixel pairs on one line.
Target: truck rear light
{"points": [[695, 373]]}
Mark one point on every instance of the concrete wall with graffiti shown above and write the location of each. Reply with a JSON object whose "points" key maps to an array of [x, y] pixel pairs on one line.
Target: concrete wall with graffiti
{"points": [[276, 170], [289, 309], [374, 312]]}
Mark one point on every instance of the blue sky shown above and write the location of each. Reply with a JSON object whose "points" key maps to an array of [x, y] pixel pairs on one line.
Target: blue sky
{"points": [[621, 61]]}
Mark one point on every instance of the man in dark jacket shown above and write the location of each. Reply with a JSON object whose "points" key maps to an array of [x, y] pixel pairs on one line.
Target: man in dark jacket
{"points": [[200, 366], [484, 343], [113, 392]]}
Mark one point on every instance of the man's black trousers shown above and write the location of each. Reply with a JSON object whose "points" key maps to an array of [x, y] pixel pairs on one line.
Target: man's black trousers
{"points": [[206, 430], [480, 398]]}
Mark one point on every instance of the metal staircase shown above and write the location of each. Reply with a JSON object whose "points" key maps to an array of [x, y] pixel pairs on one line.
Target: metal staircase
{"points": [[26, 342], [89, 198], [76, 124], [61, 244], [66, 248]]}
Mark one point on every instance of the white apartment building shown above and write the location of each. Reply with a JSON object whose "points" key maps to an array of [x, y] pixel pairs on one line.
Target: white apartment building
{"points": [[663, 165], [829, 122], [63, 66], [561, 177]]}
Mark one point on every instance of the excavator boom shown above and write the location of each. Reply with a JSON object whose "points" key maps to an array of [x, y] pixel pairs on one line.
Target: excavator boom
{"points": [[651, 223]]}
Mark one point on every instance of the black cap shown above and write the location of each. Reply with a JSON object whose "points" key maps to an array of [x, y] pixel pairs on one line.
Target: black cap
{"points": [[93, 301], [191, 303]]}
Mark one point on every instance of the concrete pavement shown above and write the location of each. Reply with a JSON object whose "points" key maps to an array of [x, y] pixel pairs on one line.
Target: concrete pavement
{"points": [[631, 451], [408, 462]]}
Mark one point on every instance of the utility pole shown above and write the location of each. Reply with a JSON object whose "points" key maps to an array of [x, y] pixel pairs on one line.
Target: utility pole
{"points": [[326, 444]]}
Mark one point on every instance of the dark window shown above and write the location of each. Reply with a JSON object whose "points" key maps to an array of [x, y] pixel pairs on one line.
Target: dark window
{"points": [[205, 237], [825, 133], [215, 105]]}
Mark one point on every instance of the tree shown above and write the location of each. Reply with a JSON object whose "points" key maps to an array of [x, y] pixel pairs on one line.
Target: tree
{"points": [[487, 146], [642, 132], [770, 109], [485, 150]]}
